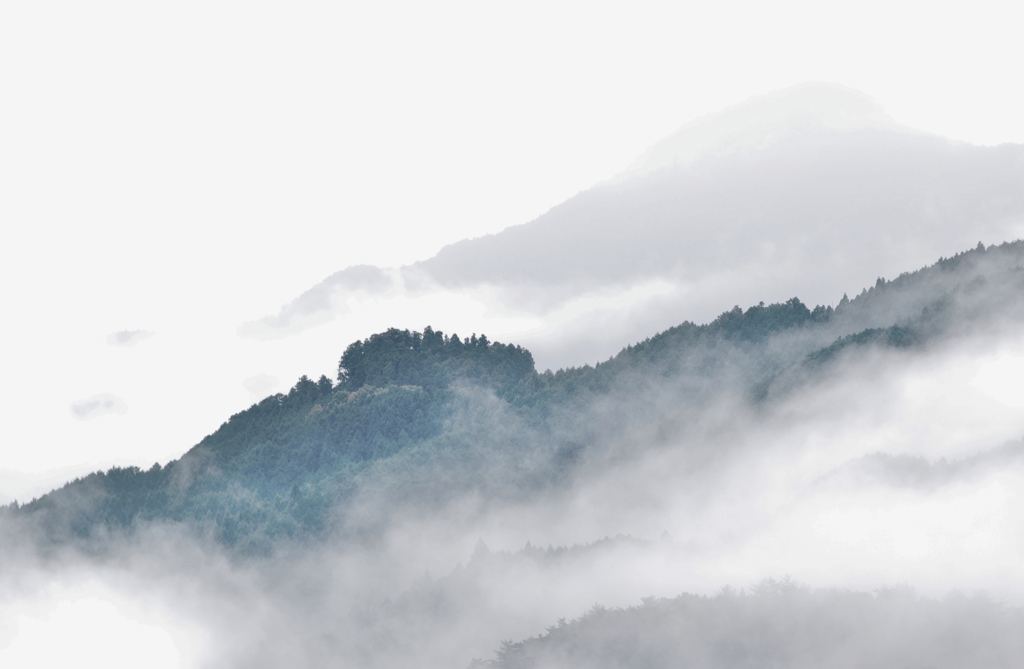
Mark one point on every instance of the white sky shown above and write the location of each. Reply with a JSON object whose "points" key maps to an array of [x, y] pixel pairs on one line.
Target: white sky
{"points": [[184, 167]]}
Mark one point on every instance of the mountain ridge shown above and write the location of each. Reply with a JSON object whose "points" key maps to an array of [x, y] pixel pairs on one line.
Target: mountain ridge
{"points": [[426, 407], [842, 201], [761, 121]]}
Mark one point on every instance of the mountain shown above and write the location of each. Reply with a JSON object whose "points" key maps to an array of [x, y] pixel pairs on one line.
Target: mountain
{"points": [[763, 121], [418, 420], [853, 443], [806, 191]]}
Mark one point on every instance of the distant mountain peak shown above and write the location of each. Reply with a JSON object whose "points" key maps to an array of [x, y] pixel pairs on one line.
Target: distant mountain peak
{"points": [[763, 120]]}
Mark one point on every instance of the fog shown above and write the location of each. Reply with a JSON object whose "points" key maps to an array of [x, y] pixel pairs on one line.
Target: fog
{"points": [[260, 385], [884, 484]]}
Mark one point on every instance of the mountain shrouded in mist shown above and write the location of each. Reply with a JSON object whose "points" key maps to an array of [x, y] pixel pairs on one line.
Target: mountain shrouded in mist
{"points": [[780, 624], [427, 437], [647, 509], [409, 418], [807, 191]]}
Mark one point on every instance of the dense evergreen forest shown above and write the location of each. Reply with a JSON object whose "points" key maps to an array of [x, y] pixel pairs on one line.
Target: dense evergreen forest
{"points": [[415, 419]]}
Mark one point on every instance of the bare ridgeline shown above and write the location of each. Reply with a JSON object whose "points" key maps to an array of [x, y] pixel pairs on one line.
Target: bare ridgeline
{"points": [[295, 530]]}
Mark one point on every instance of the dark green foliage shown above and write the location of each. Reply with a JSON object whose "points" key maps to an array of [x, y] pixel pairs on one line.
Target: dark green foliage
{"points": [[697, 352], [431, 360], [758, 323], [894, 337], [285, 436]]}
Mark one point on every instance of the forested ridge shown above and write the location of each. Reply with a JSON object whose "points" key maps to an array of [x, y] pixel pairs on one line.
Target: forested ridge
{"points": [[417, 418], [779, 624]]}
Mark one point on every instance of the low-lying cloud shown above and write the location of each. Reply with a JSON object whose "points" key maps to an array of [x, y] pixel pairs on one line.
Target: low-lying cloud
{"points": [[103, 404], [890, 467], [321, 303], [128, 338], [260, 385]]}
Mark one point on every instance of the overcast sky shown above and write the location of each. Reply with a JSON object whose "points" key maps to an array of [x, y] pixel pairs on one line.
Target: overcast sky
{"points": [[169, 171]]}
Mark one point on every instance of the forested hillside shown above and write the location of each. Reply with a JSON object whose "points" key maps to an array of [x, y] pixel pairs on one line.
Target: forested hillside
{"points": [[780, 624], [414, 420]]}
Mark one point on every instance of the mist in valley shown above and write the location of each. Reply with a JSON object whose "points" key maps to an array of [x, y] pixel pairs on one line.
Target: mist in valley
{"points": [[820, 495]]}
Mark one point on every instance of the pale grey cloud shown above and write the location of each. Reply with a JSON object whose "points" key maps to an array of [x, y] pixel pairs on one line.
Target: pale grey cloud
{"points": [[103, 404], [917, 471], [128, 338], [321, 303], [260, 385]]}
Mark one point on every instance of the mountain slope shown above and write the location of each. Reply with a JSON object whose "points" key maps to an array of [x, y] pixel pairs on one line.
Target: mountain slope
{"points": [[807, 191], [780, 624], [418, 420]]}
